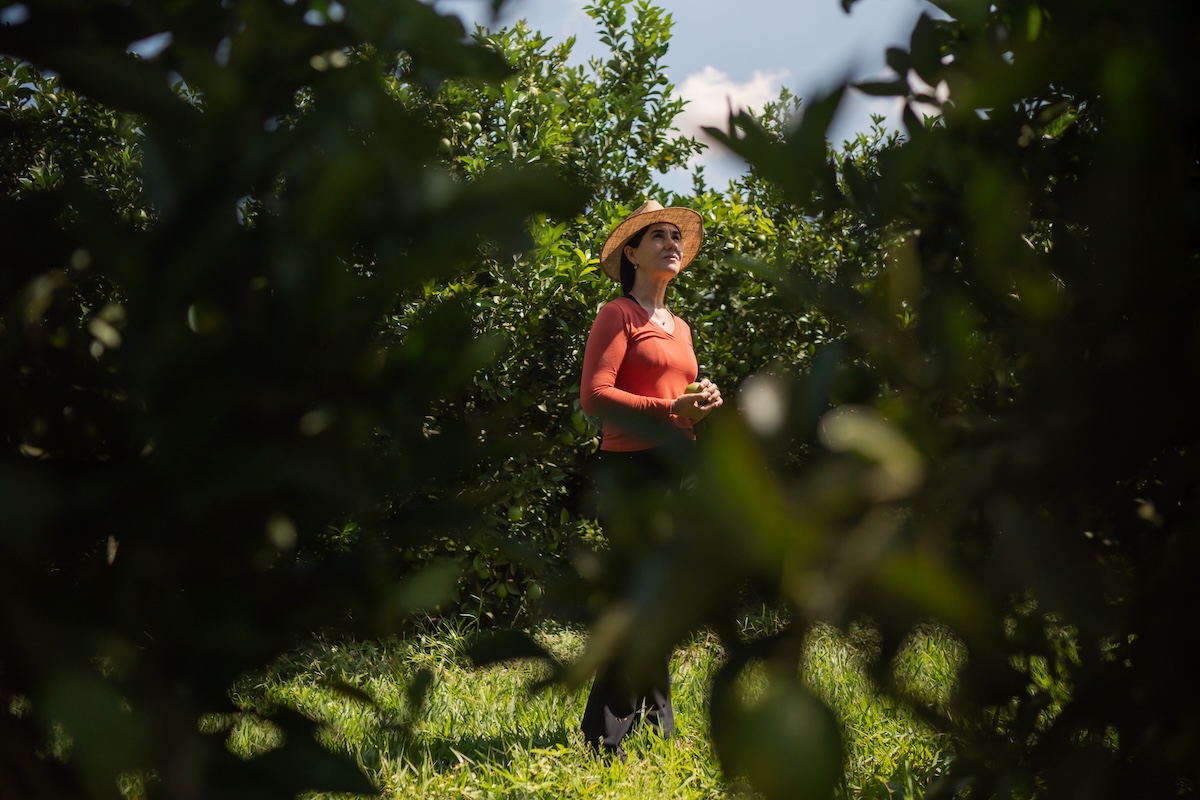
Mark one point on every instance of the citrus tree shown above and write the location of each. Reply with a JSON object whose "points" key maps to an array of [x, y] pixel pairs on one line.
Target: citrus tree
{"points": [[607, 127], [612, 116], [996, 433], [1018, 458], [209, 211], [294, 298], [293, 301]]}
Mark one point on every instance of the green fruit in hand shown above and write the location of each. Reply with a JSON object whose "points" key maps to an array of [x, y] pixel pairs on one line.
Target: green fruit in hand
{"points": [[692, 388]]}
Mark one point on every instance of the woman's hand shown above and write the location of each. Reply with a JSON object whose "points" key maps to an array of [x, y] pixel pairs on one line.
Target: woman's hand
{"points": [[698, 404]]}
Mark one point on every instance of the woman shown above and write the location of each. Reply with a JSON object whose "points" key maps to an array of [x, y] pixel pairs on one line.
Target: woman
{"points": [[638, 368]]}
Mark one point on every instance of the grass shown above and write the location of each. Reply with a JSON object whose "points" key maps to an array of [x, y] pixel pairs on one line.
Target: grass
{"points": [[482, 735]]}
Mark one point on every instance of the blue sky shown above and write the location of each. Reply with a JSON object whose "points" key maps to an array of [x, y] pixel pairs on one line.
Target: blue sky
{"points": [[740, 52]]}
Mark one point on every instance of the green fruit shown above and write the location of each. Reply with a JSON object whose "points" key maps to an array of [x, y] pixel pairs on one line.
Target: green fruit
{"points": [[692, 388]]}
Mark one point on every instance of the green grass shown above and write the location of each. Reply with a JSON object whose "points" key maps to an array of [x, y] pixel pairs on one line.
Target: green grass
{"points": [[481, 734]]}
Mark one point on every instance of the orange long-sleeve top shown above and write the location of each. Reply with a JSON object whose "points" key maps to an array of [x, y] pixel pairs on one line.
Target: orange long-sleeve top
{"points": [[632, 372]]}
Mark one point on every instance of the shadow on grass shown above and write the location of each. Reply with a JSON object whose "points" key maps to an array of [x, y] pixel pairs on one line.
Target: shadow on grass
{"points": [[446, 754]]}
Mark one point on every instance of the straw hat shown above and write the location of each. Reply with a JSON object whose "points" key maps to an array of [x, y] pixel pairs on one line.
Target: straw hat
{"points": [[689, 223]]}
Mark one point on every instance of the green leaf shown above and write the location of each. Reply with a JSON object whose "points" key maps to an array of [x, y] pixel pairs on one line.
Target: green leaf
{"points": [[925, 49], [899, 61], [933, 589], [896, 88], [787, 742], [302, 764]]}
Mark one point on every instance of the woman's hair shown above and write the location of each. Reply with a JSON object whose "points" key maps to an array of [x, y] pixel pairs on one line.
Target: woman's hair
{"points": [[628, 271]]}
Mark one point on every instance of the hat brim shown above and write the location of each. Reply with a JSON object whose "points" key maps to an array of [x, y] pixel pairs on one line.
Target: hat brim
{"points": [[690, 225]]}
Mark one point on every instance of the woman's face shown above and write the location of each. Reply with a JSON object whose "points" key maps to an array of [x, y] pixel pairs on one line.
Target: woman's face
{"points": [[660, 251]]}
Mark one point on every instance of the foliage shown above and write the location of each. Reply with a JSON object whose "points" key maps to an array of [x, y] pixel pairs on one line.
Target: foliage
{"points": [[293, 307], [747, 327], [541, 304], [200, 247], [609, 123], [529, 477], [533, 480], [277, 368], [1022, 466]]}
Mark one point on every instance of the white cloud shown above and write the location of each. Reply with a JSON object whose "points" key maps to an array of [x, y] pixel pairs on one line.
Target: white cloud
{"points": [[710, 94]]}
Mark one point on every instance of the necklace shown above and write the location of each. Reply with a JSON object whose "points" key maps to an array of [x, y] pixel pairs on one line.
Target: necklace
{"points": [[652, 311]]}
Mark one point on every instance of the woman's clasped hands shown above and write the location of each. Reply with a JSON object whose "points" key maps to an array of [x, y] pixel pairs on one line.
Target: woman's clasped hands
{"points": [[698, 404]]}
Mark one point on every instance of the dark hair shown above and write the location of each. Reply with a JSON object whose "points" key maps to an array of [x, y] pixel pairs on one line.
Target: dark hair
{"points": [[628, 272]]}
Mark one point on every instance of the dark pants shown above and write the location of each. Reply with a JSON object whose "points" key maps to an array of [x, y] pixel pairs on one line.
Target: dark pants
{"points": [[630, 487], [617, 703]]}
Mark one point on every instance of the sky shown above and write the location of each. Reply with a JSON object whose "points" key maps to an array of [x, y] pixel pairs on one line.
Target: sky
{"points": [[740, 53]]}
